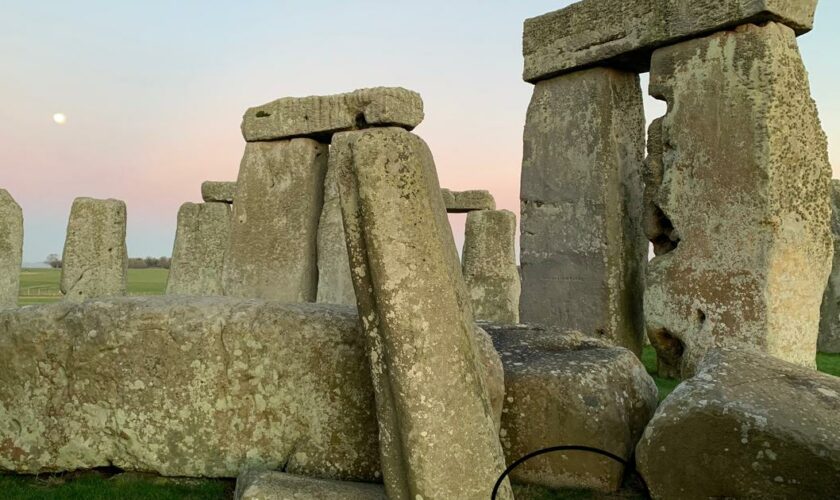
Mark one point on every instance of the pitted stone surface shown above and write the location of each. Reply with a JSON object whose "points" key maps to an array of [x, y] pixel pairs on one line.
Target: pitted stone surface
{"points": [[437, 435], [738, 204], [95, 260], [746, 426], [489, 266], [221, 191], [322, 116], [274, 485], [623, 33], [335, 285], [11, 249], [198, 257], [583, 247], [829, 338], [562, 388], [273, 242], [460, 202]]}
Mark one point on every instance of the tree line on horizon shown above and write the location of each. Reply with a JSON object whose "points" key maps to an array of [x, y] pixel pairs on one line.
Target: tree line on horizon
{"points": [[54, 261]]}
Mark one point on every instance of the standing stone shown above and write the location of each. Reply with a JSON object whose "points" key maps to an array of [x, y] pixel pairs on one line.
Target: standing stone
{"points": [[95, 260], [489, 266], [218, 191], [437, 435], [741, 200], [11, 249], [829, 338], [273, 243], [335, 285], [583, 251], [198, 257]]}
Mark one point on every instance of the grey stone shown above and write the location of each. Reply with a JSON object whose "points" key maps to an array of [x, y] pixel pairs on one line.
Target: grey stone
{"points": [[738, 201], [335, 285], [746, 426], [321, 116], [273, 243], [459, 202], [95, 260], [11, 249], [563, 388], [489, 266], [583, 247], [623, 33], [275, 485], [829, 337], [218, 191], [198, 257], [437, 435]]}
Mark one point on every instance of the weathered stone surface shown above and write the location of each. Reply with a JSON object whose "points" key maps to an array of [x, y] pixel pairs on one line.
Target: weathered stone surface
{"points": [[489, 266], [198, 257], [738, 206], [425, 362], [95, 260], [335, 285], [460, 202], [746, 426], [583, 248], [563, 388], [322, 116], [829, 337], [273, 242], [11, 249], [274, 485], [218, 191], [623, 33]]}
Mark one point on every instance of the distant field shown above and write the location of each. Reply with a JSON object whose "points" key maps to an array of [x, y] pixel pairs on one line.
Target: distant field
{"points": [[40, 286]]}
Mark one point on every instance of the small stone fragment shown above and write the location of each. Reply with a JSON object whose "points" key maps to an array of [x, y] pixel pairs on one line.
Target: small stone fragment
{"points": [[218, 191], [459, 202], [275, 485], [829, 338], [198, 257], [335, 285], [11, 249]]}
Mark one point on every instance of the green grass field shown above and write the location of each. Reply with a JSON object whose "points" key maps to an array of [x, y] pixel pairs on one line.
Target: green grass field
{"points": [[40, 286]]}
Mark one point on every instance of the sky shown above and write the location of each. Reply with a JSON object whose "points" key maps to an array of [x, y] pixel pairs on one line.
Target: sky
{"points": [[154, 92]]}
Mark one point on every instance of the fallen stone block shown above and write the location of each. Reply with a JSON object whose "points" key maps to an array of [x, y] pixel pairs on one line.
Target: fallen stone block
{"points": [[461, 202], [274, 485], [321, 116], [218, 191], [829, 337], [746, 426], [335, 284], [11, 249], [198, 257], [623, 34]]}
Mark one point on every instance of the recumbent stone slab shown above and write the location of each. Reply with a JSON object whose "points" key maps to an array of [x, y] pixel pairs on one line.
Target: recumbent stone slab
{"points": [[11, 249], [459, 202], [274, 485], [335, 284], [829, 338], [221, 191], [198, 257]]}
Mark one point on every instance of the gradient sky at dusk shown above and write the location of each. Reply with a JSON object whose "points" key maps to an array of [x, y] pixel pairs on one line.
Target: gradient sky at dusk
{"points": [[154, 92]]}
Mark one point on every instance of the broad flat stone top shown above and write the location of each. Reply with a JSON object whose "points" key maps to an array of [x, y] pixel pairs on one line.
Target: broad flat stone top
{"points": [[218, 191], [623, 33], [322, 116], [458, 202], [275, 485]]}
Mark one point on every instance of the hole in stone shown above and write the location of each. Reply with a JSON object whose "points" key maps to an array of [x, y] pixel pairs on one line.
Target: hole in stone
{"points": [[360, 121], [263, 114], [701, 316], [665, 241], [669, 352]]}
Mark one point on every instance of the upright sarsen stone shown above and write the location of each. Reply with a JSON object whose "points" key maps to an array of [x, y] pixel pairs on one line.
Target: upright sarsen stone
{"points": [[198, 256], [273, 240], [740, 197], [829, 338], [11, 249], [583, 250], [95, 260], [335, 285]]}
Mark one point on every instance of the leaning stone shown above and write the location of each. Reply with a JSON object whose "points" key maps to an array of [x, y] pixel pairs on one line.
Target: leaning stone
{"points": [[746, 426], [459, 202], [562, 388], [198, 257], [275, 485], [11, 249], [489, 266], [437, 435], [95, 260], [335, 285], [829, 338], [218, 191], [740, 200], [624, 33], [583, 248], [321, 116], [273, 243]]}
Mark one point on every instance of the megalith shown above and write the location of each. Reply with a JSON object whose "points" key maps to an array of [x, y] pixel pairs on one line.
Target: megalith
{"points": [[829, 337], [738, 203], [437, 434], [198, 256], [335, 285], [221, 191], [461, 202], [11, 249], [95, 260], [583, 250]]}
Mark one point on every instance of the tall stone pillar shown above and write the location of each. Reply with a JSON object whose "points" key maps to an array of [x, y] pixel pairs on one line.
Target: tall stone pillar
{"points": [[198, 256], [335, 284], [11, 249], [829, 338]]}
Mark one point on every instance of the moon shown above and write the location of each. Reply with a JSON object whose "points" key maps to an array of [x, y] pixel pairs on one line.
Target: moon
{"points": [[60, 118]]}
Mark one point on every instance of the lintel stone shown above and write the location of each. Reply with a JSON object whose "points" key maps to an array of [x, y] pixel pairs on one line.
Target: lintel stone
{"points": [[221, 191], [461, 202]]}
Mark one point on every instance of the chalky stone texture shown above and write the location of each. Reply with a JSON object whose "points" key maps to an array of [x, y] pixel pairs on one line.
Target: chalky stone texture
{"points": [[273, 242], [741, 200], [459, 202], [746, 426], [11, 249], [425, 361], [218, 191], [322, 116], [335, 285], [489, 266], [623, 33], [198, 257], [829, 338], [563, 388], [273, 485], [583, 248], [95, 260]]}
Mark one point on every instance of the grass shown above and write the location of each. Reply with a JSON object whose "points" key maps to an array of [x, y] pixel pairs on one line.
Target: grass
{"points": [[41, 286]]}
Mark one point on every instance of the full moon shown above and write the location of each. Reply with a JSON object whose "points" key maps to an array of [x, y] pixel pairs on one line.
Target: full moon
{"points": [[60, 118]]}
